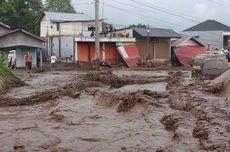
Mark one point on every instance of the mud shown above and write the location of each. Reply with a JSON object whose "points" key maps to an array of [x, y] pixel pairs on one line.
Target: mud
{"points": [[119, 111], [108, 78]]}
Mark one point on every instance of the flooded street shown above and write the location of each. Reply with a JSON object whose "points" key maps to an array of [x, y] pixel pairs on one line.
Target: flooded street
{"points": [[120, 111]]}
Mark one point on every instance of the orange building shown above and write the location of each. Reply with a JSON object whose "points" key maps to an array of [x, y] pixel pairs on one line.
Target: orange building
{"points": [[85, 49]]}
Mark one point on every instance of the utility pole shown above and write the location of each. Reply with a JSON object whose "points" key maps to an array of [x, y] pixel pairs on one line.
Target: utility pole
{"points": [[147, 45], [97, 43]]}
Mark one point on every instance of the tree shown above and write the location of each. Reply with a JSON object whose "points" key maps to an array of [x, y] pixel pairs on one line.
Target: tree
{"points": [[22, 14], [59, 6], [139, 25]]}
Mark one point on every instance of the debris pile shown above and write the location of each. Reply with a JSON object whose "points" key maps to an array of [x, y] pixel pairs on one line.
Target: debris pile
{"points": [[170, 122], [125, 102], [108, 78], [157, 63]]}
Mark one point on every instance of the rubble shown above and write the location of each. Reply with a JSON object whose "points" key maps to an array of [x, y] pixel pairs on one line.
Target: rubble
{"points": [[159, 63]]}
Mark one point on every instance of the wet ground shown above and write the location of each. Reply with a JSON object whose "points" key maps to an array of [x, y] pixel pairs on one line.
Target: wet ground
{"points": [[120, 111]]}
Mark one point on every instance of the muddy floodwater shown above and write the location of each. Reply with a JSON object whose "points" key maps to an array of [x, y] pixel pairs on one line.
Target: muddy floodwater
{"points": [[118, 111]]}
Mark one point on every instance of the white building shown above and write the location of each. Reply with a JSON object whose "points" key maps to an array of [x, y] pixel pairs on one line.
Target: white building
{"points": [[69, 34], [61, 29]]}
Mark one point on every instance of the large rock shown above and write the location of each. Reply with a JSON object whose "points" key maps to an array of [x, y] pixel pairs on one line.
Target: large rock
{"points": [[221, 84]]}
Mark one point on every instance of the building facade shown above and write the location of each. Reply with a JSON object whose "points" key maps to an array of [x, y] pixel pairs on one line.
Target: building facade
{"points": [[211, 33], [23, 42], [152, 43], [60, 30]]}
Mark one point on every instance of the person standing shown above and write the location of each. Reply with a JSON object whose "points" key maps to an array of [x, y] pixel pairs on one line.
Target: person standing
{"points": [[53, 61], [26, 60], [10, 57], [14, 60], [30, 59]]}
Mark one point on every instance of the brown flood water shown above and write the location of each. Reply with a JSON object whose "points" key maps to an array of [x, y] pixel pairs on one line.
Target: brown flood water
{"points": [[181, 120]]}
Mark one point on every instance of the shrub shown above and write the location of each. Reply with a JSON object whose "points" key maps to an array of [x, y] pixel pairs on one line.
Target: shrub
{"points": [[2, 60]]}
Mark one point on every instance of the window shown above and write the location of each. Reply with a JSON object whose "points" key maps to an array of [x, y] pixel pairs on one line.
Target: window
{"points": [[91, 28], [58, 26]]}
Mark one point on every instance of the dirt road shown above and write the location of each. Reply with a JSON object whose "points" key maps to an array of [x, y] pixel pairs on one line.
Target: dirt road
{"points": [[122, 110]]}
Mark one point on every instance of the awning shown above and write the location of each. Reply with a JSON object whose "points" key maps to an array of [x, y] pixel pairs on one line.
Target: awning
{"points": [[130, 55], [187, 53]]}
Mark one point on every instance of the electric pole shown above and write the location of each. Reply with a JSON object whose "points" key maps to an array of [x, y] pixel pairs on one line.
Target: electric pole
{"points": [[97, 43], [147, 45]]}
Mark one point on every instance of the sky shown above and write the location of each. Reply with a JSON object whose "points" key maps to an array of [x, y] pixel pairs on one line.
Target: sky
{"points": [[174, 14]]}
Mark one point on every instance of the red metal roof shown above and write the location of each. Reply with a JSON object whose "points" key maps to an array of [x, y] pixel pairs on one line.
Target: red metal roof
{"points": [[130, 55], [187, 53]]}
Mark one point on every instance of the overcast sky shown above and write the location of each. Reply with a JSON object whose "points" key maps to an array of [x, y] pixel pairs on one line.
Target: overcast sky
{"points": [[174, 14]]}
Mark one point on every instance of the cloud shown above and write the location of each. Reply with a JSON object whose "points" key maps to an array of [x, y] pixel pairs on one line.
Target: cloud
{"points": [[203, 11]]}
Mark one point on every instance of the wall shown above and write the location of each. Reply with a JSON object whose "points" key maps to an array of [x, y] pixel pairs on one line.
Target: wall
{"points": [[55, 46], [67, 46], [20, 52], [215, 38], [20, 39], [111, 54], [142, 48], [66, 28], [162, 49], [157, 48]]}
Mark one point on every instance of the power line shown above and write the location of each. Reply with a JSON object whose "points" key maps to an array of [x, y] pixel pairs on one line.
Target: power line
{"points": [[136, 14], [169, 12], [222, 3], [160, 19]]}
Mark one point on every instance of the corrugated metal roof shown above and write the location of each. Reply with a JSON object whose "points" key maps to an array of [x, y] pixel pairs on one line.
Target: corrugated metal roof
{"points": [[209, 25], [23, 31], [157, 32], [177, 42], [66, 17], [4, 25]]}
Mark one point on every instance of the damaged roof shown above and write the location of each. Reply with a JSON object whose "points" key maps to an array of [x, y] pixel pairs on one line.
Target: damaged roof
{"points": [[67, 17], [209, 25], [157, 33], [184, 39]]}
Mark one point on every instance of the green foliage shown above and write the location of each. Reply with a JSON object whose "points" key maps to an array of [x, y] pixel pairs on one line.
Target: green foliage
{"points": [[59, 6], [21, 14], [2, 60], [139, 25], [5, 73]]}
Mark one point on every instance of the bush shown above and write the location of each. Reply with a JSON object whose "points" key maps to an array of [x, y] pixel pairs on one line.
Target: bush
{"points": [[2, 60], [5, 73]]}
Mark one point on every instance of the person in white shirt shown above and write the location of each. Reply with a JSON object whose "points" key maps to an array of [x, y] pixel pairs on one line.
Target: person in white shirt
{"points": [[53, 61], [14, 59]]}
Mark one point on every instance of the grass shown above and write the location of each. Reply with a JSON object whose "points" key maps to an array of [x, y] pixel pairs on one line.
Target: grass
{"points": [[5, 73], [8, 79]]}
